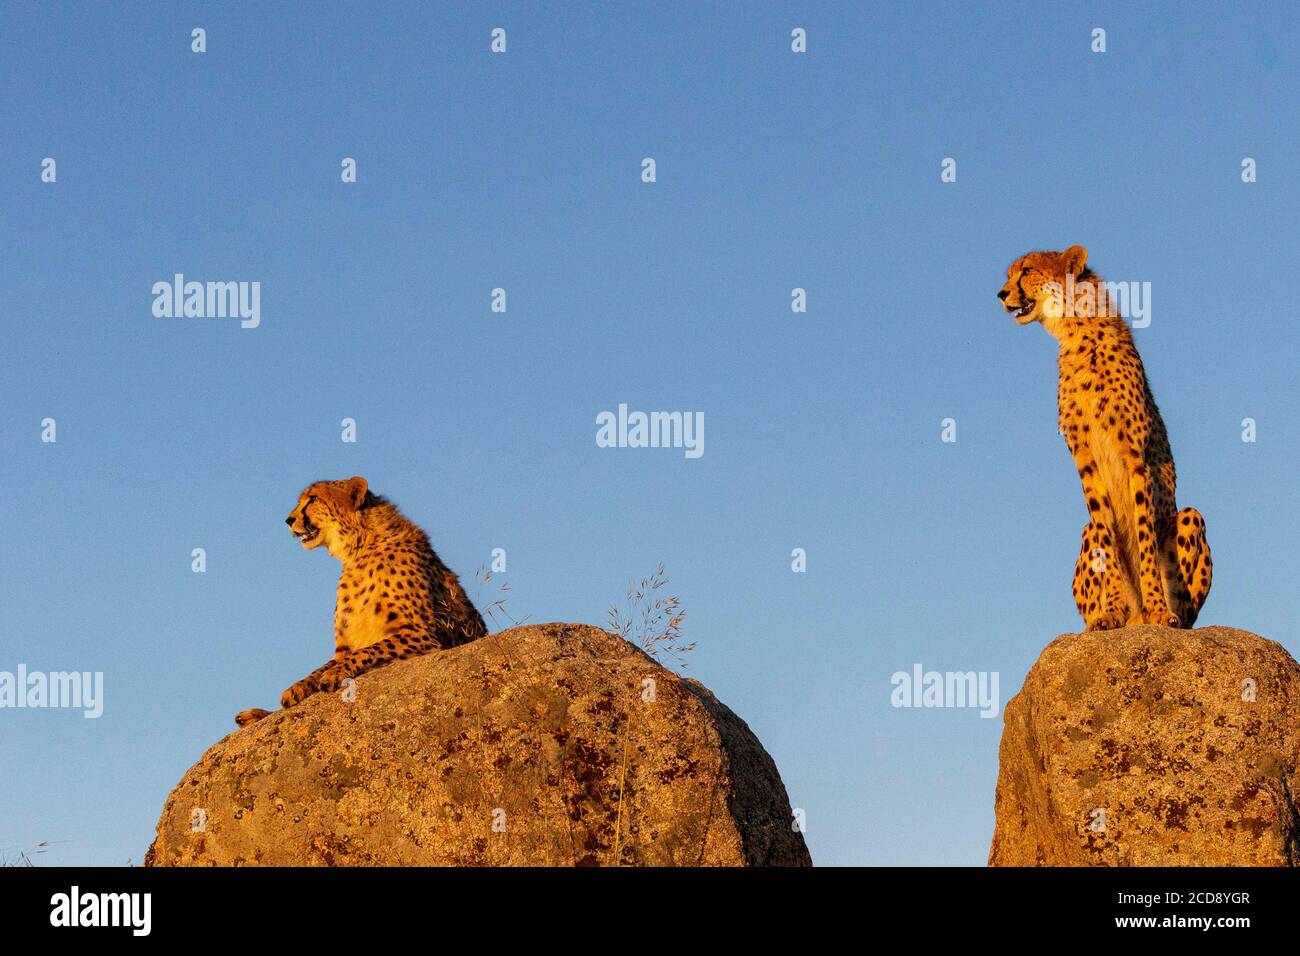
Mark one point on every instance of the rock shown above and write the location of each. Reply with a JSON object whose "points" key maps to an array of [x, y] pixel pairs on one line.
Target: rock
{"points": [[535, 746], [1143, 747]]}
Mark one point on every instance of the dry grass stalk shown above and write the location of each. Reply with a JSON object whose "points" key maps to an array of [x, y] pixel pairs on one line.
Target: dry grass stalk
{"points": [[652, 621]]}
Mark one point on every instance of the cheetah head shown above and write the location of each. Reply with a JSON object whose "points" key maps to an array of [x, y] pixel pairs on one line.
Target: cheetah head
{"points": [[326, 511], [1035, 280]]}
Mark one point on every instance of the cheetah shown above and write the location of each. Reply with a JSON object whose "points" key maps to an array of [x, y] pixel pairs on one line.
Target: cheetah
{"points": [[1142, 560], [396, 598]]}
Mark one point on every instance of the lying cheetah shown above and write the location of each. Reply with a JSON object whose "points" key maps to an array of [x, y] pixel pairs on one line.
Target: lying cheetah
{"points": [[395, 597], [1142, 559]]}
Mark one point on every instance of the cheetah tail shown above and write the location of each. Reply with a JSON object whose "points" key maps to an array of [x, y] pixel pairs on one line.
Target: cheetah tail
{"points": [[1194, 555]]}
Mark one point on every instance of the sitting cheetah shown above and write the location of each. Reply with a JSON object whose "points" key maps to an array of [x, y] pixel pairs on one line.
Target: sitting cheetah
{"points": [[1142, 559], [395, 597]]}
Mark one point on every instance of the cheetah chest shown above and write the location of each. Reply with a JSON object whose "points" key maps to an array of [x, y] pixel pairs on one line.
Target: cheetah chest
{"points": [[1089, 403], [365, 601]]}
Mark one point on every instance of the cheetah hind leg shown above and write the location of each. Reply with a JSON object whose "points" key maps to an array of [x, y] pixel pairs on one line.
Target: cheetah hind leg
{"points": [[1194, 562], [1097, 593]]}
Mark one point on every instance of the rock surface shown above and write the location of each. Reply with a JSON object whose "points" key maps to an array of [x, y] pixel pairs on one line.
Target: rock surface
{"points": [[1143, 747], [535, 746]]}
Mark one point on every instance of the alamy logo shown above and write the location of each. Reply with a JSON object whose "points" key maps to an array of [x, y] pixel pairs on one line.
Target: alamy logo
{"points": [[73, 690], [922, 688], [103, 909], [651, 430], [1127, 300], [179, 299]]}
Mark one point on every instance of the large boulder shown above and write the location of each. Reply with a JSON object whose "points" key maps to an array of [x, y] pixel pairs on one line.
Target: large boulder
{"points": [[550, 744], [1152, 746]]}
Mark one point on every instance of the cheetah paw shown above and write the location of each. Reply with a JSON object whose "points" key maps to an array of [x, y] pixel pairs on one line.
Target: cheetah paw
{"points": [[334, 677], [1163, 617], [250, 716], [1107, 623], [299, 692]]}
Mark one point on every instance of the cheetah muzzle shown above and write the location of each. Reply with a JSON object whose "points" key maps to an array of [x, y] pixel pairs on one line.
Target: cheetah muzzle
{"points": [[308, 533]]}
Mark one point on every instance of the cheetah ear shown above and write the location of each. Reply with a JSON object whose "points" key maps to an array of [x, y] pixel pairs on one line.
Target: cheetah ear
{"points": [[356, 490], [1076, 257]]}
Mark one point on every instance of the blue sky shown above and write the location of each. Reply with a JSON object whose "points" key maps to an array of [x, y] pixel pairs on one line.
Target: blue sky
{"points": [[522, 171]]}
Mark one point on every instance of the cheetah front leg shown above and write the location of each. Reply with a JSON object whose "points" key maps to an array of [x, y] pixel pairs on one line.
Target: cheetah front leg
{"points": [[374, 655], [1154, 602], [301, 690], [296, 694], [1100, 576], [1097, 592]]}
